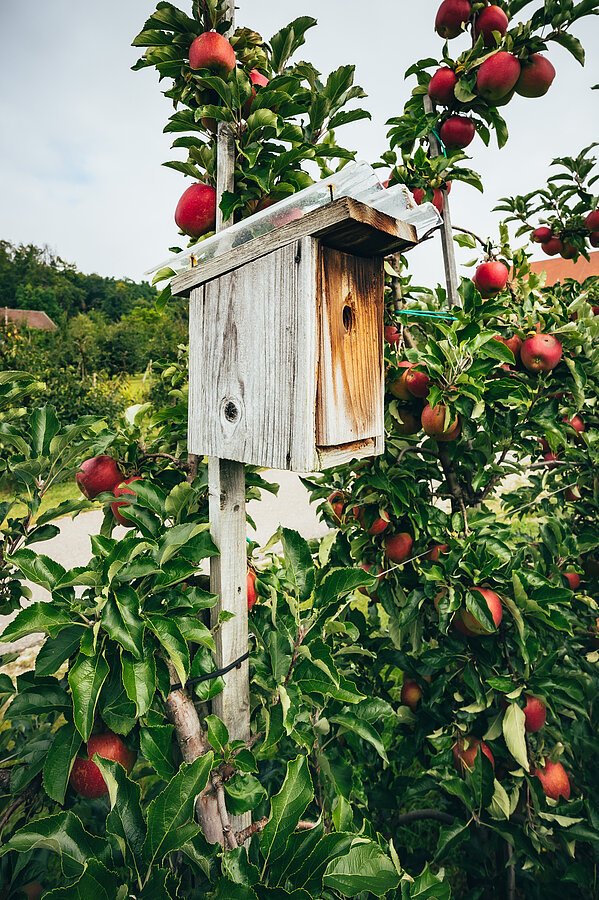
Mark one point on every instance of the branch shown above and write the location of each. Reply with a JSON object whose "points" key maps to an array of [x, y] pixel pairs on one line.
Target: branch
{"points": [[246, 833], [193, 744], [217, 785], [419, 815]]}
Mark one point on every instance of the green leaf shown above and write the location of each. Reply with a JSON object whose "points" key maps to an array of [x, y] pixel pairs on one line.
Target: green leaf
{"points": [[36, 696], [139, 680], [86, 677], [363, 730], [177, 537], [515, 735], [125, 820], [44, 425], [59, 761], [365, 868], [115, 708], [218, 735], [97, 882], [571, 43], [38, 568], [121, 620], [156, 745], [244, 793], [39, 617], [173, 642], [62, 834], [298, 561], [339, 582], [170, 814], [286, 809]]}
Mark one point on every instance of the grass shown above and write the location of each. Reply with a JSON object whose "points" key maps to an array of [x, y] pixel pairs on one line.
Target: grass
{"points": [[66, 490]]}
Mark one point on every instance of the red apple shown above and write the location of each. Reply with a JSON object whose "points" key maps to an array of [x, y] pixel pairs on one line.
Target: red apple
{"points": [[491, 278], [417, 383], [98, 474], [118, 491], [514, 343], [488, 21], [433, 421], [251, 589], [411, 694], [212, 51], [467, 624], [592, 221], [398, 547], [196, 210], [535, 713], [576, 423], [551, 458], [451, 18], [457, 132], [257, 79], [438, 200], [336, 501], [372, 522], [594, 242], [448, 436], [542, 234], [541, 352], [497, 76], [392, 335], [398, 387], [569, 251], [552, 247], [442, 86], [536, 78], [573, 580], [435, 552], [573, 494], [86, 777], [465, 751], [554, 780]]}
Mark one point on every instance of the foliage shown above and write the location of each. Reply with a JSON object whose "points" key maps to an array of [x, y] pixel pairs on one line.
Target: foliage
{"points": [[562, 205], [352, 785]]}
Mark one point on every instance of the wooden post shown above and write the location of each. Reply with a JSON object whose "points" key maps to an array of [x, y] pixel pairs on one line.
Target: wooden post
{"points": [[451, 272], [228, 571]]}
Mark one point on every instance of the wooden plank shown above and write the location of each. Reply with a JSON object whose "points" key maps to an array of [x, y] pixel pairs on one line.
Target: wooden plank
{"points": [[253, 362], [228, 571], [329, 457], [449, 261], [350, 396], [345, 225]]}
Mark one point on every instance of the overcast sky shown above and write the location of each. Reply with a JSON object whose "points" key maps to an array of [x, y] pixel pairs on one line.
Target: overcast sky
{"points": [[81, 141]]}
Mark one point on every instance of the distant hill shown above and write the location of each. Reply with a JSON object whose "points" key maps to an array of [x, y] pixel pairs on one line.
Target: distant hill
{"points": [[34, 278]]}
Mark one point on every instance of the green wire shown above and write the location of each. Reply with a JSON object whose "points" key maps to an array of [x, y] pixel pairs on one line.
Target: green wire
{"points": [[425, 314]]}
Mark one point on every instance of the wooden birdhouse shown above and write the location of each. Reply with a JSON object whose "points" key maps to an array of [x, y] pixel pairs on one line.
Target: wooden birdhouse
{"points": [[286, 341]]}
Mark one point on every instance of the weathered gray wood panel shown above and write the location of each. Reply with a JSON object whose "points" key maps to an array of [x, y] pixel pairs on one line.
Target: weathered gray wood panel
{"points": [[253, 352], [350, 395]]}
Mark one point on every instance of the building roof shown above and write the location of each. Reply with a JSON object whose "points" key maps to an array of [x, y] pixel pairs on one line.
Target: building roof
{"points": [[558, 269], [31, 318]]}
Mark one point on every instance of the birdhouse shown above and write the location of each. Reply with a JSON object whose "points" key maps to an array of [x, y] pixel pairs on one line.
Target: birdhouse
{"points": [[286, 340]]}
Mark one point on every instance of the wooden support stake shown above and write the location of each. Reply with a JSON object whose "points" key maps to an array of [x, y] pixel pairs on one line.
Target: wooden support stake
{"points": [[228, 571], [451, 272]]}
